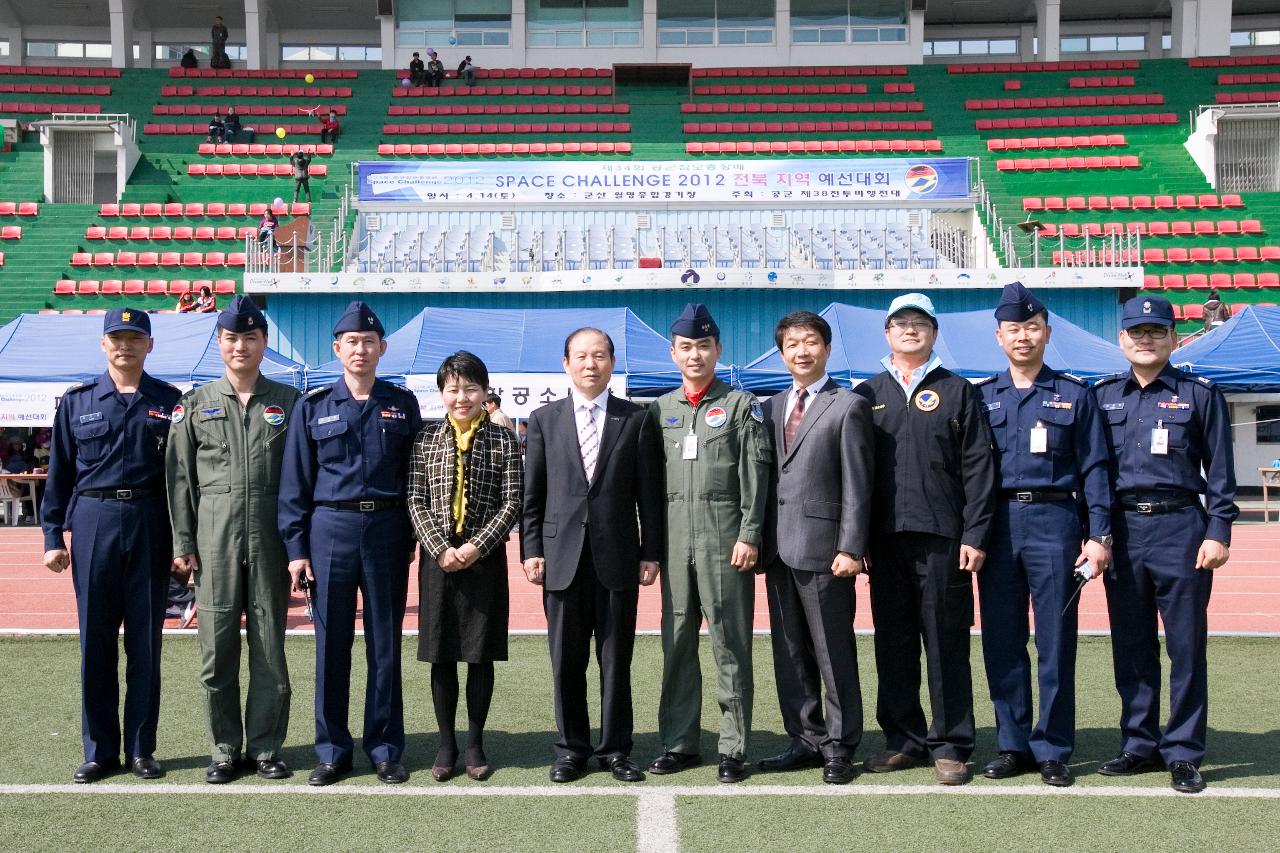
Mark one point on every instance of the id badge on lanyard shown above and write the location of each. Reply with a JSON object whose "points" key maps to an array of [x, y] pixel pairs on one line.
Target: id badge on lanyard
{"points": [[689, 447], [1039, 438], [1159, 440]]}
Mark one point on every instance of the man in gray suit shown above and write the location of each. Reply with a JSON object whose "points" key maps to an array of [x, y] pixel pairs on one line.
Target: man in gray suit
{"points": [[815, 542]]}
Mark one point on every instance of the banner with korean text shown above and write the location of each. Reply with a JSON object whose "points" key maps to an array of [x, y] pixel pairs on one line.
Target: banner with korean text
{"points": [[902, 180]]}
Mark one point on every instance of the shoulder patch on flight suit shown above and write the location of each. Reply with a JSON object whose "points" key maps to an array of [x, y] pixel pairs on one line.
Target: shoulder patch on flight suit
{"points": [[757, 411], [178, 413]]}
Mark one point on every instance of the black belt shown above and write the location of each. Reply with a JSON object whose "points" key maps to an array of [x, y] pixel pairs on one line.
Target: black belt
{"points": [[1154, 507], [120, 494], [1036, 496], [361, 506]]}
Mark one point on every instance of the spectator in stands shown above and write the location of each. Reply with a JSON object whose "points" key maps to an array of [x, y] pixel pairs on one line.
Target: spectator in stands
{"points": [[435, 71], [267, 227], [189, 59], [417, 70], [206, 303], [218, 36], [231, 125], [40, 445], [186, 303], [301, 177], [17, 462], [330, 128], [217, 130], [467, 71], [1216, 312]]}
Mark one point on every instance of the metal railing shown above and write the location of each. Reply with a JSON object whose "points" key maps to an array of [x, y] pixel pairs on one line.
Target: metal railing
{"points": [[124, 119], [293, 255]]}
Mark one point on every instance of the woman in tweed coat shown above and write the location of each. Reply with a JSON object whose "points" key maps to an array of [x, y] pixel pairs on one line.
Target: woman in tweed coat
{"points": [[465, 482]]}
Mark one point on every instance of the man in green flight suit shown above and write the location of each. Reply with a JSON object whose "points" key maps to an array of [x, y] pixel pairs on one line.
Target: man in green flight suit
{"points": [[223, 465], [717, 468]]}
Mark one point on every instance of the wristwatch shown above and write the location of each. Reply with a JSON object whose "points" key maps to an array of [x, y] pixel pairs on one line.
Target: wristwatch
{"points": [[1104, 541]]}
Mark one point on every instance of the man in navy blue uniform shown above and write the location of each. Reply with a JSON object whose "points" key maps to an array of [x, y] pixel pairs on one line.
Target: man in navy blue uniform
{"points": [[1170, 437], [1052, 461], [106, 486], [345, 527]]}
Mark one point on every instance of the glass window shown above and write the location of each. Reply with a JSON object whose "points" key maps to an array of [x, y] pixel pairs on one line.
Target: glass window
{"points": [[1267, 429], [1166, 42], [1075, 45], [492, 38], [466, 38], [893, 34], [878, 11], [72, 50], [570, 38], [1241, 38], [820, 13], [1102, 44], [863, 35], [700, 36], [946, 48], [672, 38], [1131, 43], [292, 53], [41, 48], [830, 35], [4, 47], [686, 13], [1267, 38], [733, 36], [425, 14], [626, 38], [809, 36], [1004, 46], [973, 47], [760, 36]]}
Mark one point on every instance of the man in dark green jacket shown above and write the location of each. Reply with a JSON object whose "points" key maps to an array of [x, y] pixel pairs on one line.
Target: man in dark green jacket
{"points": [[225, 451]]}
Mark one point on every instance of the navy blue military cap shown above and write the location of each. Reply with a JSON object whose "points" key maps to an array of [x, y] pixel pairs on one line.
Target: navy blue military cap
{"points": [[358, 318], [1017, 304], [695, 322], [126, 320], [1144, 310], [242, 316]]}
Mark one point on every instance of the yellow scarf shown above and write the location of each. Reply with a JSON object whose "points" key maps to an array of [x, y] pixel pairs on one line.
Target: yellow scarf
{"points": [[463, 441]]}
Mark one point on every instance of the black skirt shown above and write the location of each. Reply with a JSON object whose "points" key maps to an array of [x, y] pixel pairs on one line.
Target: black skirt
{"points": [[463, 615]]}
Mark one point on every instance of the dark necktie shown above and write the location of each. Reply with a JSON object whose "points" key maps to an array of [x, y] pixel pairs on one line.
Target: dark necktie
{"points": [[793, 422]]}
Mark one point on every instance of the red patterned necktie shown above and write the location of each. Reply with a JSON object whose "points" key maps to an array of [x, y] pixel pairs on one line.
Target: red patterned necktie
{"points": [[793, 422]]}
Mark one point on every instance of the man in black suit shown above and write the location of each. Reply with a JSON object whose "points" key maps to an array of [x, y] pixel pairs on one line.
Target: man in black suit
{"points": [[814, 547], [591, 535]]}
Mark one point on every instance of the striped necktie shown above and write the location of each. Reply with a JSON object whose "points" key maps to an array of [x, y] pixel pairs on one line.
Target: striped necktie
{"points": [[589, 441], [793, 421]]}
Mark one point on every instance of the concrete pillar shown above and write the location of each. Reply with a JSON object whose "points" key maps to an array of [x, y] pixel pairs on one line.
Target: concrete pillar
{"points": [[915, 37], [1184, 28], [1213, 29], [387, 36], [1048, 30], [519, 33], [1026, 43], [1155, 39], [146, 48], [781, 30], [12, 33], [121, 33], [258, 25]]}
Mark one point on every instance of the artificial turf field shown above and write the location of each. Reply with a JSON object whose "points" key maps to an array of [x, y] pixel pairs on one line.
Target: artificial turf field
{"points": [[518, 809]]}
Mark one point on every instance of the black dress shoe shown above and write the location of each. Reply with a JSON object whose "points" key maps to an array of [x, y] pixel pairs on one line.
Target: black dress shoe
{"points": [[1056, 773], [92, 771], [327, 773], [674, 762], [273, 768], [731, 769], [220, 772], [622, 768], [795, 758], [837, 770], [1127, 764], [1186, 778], [1006, 765], [146, 767], [567, 769], [391, 772]]}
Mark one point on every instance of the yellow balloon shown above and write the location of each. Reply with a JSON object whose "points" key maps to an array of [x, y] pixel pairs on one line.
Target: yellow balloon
{"points": [[310, 78], [280, 132]]}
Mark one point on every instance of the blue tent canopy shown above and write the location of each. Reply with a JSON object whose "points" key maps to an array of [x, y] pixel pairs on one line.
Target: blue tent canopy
{"points": [[517, 341], [1243, 354], [966, 344], [59, 348]]}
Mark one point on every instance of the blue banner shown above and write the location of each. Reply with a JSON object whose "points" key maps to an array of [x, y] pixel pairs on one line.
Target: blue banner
{"points": [[901, 180]]}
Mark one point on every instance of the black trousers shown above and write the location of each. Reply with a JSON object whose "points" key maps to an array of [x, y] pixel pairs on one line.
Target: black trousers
{"points": [[811, 619], [919, 594], [584, 610]]}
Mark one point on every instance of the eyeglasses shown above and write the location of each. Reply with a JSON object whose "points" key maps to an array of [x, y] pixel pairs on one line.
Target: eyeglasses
{"points": [[913, 325], [1155, 333]]}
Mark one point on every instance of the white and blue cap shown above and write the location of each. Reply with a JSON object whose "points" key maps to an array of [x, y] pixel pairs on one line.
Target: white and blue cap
{"points": [[914, 302]]}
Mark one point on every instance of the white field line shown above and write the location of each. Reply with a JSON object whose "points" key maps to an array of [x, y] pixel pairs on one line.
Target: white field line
{"points": [[748, 790], [656, 830]]}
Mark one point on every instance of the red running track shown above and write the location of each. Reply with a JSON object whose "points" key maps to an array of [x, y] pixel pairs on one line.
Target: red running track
{"points": [[1246, 593]]}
